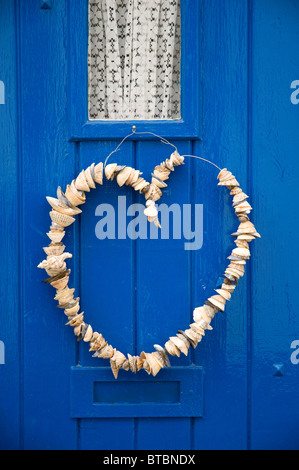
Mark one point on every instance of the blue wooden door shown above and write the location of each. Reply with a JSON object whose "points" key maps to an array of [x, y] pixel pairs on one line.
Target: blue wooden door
{"points": [[238, 389]]}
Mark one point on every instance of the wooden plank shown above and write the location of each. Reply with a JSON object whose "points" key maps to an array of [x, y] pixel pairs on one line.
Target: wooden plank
{"points": [[223, 351], [10, 406], [107, 278], [275, 167], [163, 284], [48, 160], [177, 392]]}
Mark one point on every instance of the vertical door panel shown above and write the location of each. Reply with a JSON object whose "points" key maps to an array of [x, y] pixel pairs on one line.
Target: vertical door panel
{"points": [[10, 335], [275, 394], [48, 160], [223, 352]]}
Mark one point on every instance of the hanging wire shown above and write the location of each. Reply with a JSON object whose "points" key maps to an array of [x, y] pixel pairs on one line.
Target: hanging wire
{"points": [[162, 140]]}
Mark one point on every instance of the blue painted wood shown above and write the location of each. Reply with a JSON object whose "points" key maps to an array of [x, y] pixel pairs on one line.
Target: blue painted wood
{"points": [[223, 352], [275, 166], [188, 126], [48, 160], [245, 121], [177, 392], [10, 334]]}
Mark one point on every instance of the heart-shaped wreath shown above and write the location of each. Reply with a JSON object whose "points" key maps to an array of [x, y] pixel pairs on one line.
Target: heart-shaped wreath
{"points": [[65, 206]]}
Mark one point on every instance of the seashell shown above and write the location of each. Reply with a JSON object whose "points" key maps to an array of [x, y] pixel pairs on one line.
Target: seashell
{"points": [[229, 182], [98, 173], [246, 227], [240, 197], [81, 182], [60, 294], [77, 330], [158, 182], [140, 183], [73, 309], [61, 219], [62, 208], [159, 357], [163, 355], [109, 170], [76, 320], [242, 253], [106, 352], [74, 197], [235, 190], [88, 334], [179, 344], [222, 172], [218, 301], [243, 206], [193, 336], [144, 187], [139, 363], [161, 173], [62, 198], [154, 363], [224, 293], [157, 223], [131, 177], [59, 280], [172, 349], [98, 342], [116, 361], [176, 158], [169, 164], [225, 175], [151, 211], [199, 330], [132, 363], [126, 365], [55, 237], [153, 192], [123, 175], [54, 249], [89, 178], [228, 287], [200, 313]]}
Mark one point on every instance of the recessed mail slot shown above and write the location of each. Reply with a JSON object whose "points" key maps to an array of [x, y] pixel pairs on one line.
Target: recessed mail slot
{"points": [[176, 392], [136, 392]]}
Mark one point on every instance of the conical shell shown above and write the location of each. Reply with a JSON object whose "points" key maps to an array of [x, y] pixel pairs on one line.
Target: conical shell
{"points": [[55, 237], [179, 344], [223, 293], [81, 182], [123, 175], [74, 197], [54, 249], [89, 178], [218, 301], [109, 170], [62, 208], [172, 349], [88, 334], [98, 173], [61, 219]]}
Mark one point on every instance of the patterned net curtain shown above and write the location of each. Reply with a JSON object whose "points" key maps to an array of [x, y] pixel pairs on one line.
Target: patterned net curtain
{"points": [[134, 53]]}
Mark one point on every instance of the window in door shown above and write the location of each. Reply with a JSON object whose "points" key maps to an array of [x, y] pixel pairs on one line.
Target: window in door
{"points": [[134, 59]]}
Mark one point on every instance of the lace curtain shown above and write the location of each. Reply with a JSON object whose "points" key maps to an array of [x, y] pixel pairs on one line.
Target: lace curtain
{"points": [[134, 52]]}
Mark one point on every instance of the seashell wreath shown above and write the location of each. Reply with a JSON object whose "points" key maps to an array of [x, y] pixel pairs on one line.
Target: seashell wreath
{"points": [[65, 206]]}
